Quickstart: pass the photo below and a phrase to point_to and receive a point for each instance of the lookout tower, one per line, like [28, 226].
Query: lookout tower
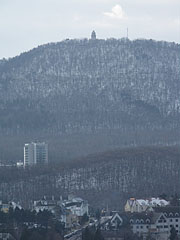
[93, 35]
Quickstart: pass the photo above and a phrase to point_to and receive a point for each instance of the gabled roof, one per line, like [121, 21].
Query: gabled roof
[44, 204]
[144, 218]
[157, 216]
[142, 202]
[159, 202]
[116, 216]
[105, 220]
[169, 211]
[74, 202]
[152, 202]
[108, 219]
[70, 204]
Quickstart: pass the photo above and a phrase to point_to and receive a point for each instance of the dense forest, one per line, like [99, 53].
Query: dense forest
[85, 96]
[103, 179]
[107, 99]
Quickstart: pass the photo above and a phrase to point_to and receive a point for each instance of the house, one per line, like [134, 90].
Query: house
[172, 215]
[67, 211]
[115, 222]
[5, 206]
[65, 216]
[14, 205]
[71, 220]
[78, 206]
[42, 205]
[142, 205]
[47, 203]
[157, 223]
[143, 224]
[116, 227]
[53, 206]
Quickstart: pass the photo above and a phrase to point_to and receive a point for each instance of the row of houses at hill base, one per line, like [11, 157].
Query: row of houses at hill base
[155, 222]
[68, 211]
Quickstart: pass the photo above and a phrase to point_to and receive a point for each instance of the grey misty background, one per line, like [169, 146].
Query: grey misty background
[87, 96]
[25, 24]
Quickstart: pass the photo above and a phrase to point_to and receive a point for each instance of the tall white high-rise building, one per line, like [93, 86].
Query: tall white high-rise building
[35, 153]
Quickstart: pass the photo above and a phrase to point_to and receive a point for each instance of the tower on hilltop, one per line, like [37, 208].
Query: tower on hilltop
[93, 35]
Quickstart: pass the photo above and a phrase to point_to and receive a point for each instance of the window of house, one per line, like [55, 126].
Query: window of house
[147, 221]
[165, 226]
[141, 227]
[171, 220]
[176, 225]
[176, 220]
[137, 227]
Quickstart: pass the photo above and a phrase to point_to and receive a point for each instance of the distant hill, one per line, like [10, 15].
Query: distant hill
[107, 178]
[89, 86]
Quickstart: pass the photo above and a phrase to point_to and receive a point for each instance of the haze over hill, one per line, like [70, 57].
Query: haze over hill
[107, 178]
[91, 95]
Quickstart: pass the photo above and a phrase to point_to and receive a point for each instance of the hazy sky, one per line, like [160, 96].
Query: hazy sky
[25, 24]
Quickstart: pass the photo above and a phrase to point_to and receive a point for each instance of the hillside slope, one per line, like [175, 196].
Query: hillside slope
[106, 178]
[85, 84]
[89, 86]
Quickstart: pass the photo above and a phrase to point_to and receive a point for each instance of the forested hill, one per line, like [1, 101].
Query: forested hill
[106, 178]
[97, 87]
[84, 85]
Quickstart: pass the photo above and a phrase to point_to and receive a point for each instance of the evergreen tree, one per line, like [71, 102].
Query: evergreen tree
[175, 200]
[84, 219]
[98, 235]
[98, 214]
[173, 234]
[87, 234]
[163, 196]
